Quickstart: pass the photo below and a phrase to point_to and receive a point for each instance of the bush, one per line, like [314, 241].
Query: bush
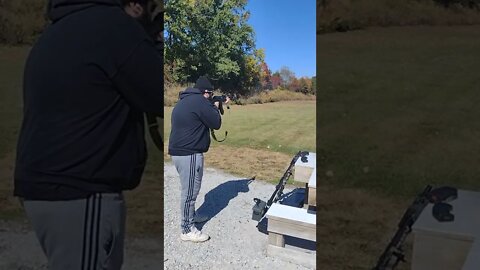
[171, 96]
[21, 21]
[275, 96]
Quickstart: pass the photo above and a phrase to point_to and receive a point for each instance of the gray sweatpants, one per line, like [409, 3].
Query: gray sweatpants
[84, 234]
[190, 169]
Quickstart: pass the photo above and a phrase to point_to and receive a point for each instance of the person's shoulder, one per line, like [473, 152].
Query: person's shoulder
[122, 25]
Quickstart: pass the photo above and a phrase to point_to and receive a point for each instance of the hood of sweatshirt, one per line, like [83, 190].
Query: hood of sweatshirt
[189, 92]
[58, 9]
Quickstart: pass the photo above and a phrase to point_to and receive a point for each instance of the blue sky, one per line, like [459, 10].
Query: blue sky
[286, 30]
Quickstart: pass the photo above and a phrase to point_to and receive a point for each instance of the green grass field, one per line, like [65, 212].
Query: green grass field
[285, 127]
[262, 138]
[11, 70]
[12, 60]
[398, 109]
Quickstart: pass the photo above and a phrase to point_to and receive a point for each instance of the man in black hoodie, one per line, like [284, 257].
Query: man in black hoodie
[88, 80]
[192, 118]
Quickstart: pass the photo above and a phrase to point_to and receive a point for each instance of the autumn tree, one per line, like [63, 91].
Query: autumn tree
[276, 80]
[265, 77]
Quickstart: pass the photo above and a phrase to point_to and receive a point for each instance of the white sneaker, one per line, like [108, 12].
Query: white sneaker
[194, 235]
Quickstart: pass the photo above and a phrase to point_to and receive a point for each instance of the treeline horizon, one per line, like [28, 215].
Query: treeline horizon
[22, 21]
[347, 15]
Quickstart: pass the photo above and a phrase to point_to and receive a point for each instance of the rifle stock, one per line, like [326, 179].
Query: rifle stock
[260, 208]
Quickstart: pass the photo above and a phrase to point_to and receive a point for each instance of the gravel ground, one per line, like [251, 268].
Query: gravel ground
[235, 241]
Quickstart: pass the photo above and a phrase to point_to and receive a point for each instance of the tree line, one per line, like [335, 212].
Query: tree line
[202, 37]
[213, 38]
[345, 15]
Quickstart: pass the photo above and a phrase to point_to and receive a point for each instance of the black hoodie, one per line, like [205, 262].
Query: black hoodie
[87, 81]
[192, 118]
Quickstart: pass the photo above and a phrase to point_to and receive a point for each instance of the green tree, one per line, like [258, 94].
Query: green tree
[314, 85]
[212, 37]
[304, 85]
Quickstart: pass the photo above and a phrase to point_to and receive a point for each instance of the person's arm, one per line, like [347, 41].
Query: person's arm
[210, 116]
[140, 79]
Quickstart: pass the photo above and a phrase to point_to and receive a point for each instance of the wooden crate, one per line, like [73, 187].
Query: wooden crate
[449, 245]
[303, 170]
[292, 221]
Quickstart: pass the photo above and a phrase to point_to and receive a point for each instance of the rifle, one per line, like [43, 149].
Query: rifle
[261, 207]
[394, 252]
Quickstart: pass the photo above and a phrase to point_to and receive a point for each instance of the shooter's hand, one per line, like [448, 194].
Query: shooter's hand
[217, 104]
[227, 100]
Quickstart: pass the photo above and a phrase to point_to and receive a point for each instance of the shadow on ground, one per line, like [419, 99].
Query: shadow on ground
[218, 198]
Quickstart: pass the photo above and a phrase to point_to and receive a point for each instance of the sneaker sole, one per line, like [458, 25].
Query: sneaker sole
[193, 240]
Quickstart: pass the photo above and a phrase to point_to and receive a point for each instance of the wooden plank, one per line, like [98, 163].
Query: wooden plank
[473, 259]
[303, 170]
[307, 259]
[276, 239]
[302, 174]
[312, 196]
[312, 181]
[291, 214]
[433, 252]
[292, 229]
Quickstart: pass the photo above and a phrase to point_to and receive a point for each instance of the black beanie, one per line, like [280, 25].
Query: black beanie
[203, 84]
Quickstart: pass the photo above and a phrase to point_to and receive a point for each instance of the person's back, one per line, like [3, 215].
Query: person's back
[192, 118]
[83, 129]
[88, 80]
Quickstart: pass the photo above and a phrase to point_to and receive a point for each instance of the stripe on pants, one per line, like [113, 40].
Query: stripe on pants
[190, 189]
[91, 232]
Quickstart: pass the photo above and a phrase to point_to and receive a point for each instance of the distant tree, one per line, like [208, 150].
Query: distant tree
[287, 76]
[294, 85]
[276, 80]
[314, 85]
[305, 85]
[265, 76]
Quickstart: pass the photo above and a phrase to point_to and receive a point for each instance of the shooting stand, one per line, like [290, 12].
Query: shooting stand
[295, 223]
[449, 245]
